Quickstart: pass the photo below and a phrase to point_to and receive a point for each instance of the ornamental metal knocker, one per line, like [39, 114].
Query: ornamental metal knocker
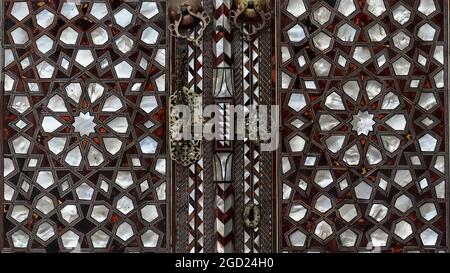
[252, 215]
[185, 18]
[250, 12]
[184, 152]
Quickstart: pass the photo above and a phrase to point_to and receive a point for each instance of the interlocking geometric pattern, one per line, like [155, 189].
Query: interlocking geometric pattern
[364, 125]
[364, 128]
[84, 118]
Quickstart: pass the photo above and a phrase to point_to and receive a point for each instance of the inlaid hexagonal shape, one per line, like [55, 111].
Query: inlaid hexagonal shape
[297, 212]
[69, 36]
[403, 203]
[124, 44]
[21, 145]
[297, 144]
[403, 229]
[296, 33]
[45, 70]
[45, 18]
[99, 239]
[84, 57]
[149, 213]
[323, 230]
[123, 17]
[401, 40]
[376, 7]
[99, 10]
[323, 204]
[401, 67]
[69, 213]
[45, 179]
[125, 231]
[323, 178]
[99, 36]
[70, 239]
[149, 9]
[346, 33]
[348, 212]
[377, 33]
[69, 10]
[378, 238]
[401, 14]
[149, 36]
[148, 145]
[124, 179]
[19, 212]
[45, 231]
[45, 204]
[19, 36]
[322, 15]
[322, 41]
[20, 10]
[378, 212]
[99, 213]
[322, 67]
[361, 54]
[429, 237]
[44, 44]
[125, 205]
[428, 211]
[346, 7]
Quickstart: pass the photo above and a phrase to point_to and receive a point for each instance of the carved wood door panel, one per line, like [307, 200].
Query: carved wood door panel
[363, 86]
[84, 148]
[90, 151]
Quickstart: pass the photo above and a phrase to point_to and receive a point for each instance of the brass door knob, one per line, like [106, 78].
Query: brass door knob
[250, 12]
[185, 18]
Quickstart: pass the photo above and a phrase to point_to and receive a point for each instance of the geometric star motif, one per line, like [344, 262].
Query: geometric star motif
[84, 124]
[363, 123]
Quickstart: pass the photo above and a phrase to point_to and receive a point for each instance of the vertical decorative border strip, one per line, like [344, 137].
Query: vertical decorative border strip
[277, 189]
[444, 5]
[447, 119]
[180, 179]
[238, 154]
[1, 128]
[208, 146]
[266, 183]
[279, 183]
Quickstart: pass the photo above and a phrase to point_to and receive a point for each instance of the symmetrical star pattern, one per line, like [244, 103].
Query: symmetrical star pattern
[84, 124]
[84, 93]
[364, 139]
